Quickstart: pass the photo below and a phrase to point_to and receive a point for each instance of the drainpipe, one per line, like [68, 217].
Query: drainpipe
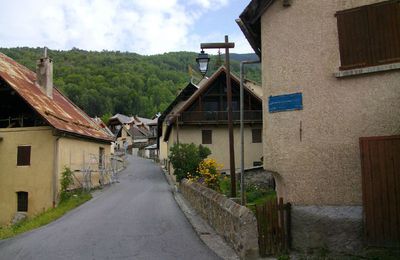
[242, 190]
[55, 171]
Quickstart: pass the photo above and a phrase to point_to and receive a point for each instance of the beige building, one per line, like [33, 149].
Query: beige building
[41, 133]
[199, 115]
[336, 65]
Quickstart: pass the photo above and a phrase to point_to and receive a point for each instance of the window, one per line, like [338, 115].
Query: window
[22, 201]
[206, 136]
[24, 155]
[369, 35]
[256, 135]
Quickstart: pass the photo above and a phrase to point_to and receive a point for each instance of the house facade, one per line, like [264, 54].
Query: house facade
[199, 116]
[335, 64]
[41, 133]
[132, 132]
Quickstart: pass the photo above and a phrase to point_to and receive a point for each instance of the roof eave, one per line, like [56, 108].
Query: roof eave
[250, 20]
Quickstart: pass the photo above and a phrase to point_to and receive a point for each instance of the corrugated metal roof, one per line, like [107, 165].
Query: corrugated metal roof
[58, 111]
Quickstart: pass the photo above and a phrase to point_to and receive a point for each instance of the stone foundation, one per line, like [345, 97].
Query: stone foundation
[336, 228]
[237, 224]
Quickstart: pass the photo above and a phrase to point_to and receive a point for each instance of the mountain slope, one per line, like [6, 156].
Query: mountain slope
[121, 82]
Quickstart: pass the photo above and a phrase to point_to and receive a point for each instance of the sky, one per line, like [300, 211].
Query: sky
[142, 26]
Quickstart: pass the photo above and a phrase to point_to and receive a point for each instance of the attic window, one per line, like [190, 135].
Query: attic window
[24, 155]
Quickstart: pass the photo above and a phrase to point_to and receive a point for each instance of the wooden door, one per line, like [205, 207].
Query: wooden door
[380, 161]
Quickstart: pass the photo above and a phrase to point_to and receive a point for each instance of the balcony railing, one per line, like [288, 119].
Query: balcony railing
[212, 117]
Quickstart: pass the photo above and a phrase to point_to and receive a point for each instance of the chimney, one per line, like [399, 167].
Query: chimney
[44, 74]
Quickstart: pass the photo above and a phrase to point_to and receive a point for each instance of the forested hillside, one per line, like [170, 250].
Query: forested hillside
[120, 82]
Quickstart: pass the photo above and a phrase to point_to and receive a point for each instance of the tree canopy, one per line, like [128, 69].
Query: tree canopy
[109, 82]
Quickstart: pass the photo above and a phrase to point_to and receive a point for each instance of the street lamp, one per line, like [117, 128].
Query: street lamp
[225, 45]
[203, 59]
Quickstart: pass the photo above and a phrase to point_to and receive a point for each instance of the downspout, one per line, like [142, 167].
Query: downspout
[55, 170]
[242, 191]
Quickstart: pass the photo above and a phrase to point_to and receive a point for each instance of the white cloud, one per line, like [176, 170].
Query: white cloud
[142, 26]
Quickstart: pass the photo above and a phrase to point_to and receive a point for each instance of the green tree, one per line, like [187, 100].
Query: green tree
[185, 159]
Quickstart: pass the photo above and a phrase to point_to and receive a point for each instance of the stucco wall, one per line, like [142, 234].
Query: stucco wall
[36, 179]
[77, 154]
[125, 137]
[300, 53]
[220, 143]
[163, 149]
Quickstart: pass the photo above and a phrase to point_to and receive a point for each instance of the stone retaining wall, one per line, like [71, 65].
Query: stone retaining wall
[237, 224]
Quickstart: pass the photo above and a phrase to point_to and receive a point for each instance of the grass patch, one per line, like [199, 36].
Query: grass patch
[46, 217]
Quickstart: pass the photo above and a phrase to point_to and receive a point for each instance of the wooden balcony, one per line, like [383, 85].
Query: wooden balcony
[219, 117]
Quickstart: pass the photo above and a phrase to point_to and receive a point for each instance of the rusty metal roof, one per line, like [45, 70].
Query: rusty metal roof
[58, 111]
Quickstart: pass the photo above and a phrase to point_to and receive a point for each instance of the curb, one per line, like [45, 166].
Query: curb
[206, 233]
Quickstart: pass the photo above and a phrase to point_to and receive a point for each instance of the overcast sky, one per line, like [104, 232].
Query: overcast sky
[141, 26]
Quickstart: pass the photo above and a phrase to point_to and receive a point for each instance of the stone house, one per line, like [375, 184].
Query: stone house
[199, 115]
[330, 77]
[41, 132]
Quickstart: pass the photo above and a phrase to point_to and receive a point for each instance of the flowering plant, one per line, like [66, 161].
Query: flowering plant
[208, 172]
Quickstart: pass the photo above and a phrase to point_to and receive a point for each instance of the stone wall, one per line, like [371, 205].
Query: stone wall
[336, 228]
[258, 176]
[237, 224]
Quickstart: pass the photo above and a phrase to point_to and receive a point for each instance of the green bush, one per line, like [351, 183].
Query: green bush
[66, 181]
[185, 159]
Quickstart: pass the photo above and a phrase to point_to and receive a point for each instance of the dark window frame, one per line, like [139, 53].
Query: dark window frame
[256, 135]
[366, 37]
[24, 155]
[206, 136]
[22, 201]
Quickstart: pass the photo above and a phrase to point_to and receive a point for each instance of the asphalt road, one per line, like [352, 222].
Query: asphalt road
[134, 219]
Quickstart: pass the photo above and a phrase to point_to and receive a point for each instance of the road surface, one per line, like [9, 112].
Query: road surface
[134, 219]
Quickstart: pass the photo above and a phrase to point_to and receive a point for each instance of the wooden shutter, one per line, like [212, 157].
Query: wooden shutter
[206, 136]
[353, 38]
[384, 32]
[23, 155]
[369, 35]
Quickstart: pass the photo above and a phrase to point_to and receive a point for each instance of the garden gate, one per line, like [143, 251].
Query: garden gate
[273, 223]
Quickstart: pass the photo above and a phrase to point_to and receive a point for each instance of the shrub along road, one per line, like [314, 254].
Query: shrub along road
[134, 219]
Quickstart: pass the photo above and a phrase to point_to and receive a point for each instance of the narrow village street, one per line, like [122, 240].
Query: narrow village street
[136, 218]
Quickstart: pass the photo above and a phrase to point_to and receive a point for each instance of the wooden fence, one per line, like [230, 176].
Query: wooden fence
[273, 222]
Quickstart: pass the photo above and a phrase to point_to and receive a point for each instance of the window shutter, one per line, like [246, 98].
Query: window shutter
[206, 136]
[369, 35]
[384, 31]
[353, 38]
[23, 155]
